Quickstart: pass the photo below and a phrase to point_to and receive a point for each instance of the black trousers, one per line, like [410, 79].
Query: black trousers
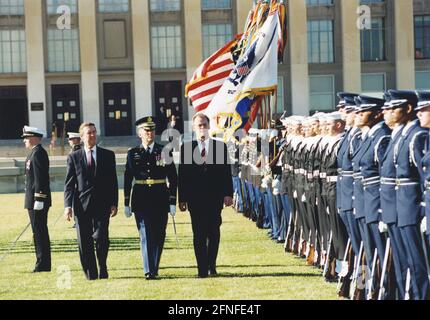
[39, 225]
[206, 225]
[93, 229]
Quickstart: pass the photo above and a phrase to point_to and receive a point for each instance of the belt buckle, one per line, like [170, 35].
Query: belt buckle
[150, 182]
[397, 182]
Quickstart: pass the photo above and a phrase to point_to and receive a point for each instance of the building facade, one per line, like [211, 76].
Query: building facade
[110, 62]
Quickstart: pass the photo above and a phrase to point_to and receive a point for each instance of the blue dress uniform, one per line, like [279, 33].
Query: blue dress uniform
[408, 153]
[366, 164]
[424, 102]
[344, 185]
[37, 189]
[389, 212]
[151, 197]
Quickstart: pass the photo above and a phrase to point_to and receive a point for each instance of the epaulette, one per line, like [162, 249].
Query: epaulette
[411, 147]
[375, 150]
[351, 142]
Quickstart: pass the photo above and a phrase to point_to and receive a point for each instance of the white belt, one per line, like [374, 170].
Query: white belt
[332, 179]
[388, 181]
[371, 180]
[406, 182]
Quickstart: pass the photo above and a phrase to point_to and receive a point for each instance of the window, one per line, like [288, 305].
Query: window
[113, 6]
[320, 41]
[371, 1]
[216, 4]
[321, 92]
[422, 37]
[166, 44]
[12, 7]
[12, 51]
[373, 84]
[280, 96]
[373, 41]
[165, 5]
[214, 37]
[422, 80]
[319, 2]
[63, 50]
[52, 5]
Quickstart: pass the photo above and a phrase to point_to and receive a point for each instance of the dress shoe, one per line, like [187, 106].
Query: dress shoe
[91, 275]
[37, 270]
[104, 274]
[212, 272]
[150, 276]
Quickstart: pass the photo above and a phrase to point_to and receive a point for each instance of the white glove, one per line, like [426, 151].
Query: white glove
[295, 194]
[382, 227]
[276, 184]
[240, 175]
[38, 205]
[172, 210]
[303, 198]
[127, 212]
[424, 225]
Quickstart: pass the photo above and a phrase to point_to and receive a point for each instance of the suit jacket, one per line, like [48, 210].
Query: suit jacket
[37, 178]
[81, 189]
[204, 186]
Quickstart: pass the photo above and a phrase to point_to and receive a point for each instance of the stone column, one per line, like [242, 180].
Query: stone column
[298, 39]
[351, 55]
[405, 47]
[89, 62]
[242, 7]
[142, 57]
[35, 62]
[193, 40]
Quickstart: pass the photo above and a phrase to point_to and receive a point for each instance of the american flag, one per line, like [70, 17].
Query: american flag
[210, 76]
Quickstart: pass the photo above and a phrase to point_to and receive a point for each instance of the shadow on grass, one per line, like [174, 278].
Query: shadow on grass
[116, 244]
[230, 275]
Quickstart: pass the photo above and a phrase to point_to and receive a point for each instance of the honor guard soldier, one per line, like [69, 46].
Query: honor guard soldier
[395, 119]
[154, 193]
[408, 153]
[375, 138]
[424, 116]
[344, 186]
[335, 129]
[38, 196]
[74, 141]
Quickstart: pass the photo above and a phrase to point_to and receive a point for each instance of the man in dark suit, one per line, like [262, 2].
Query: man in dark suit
[38, 196]
[205, 185]
[91, 194]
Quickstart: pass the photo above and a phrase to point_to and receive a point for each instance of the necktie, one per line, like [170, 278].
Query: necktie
[91, 164]
[203, 153]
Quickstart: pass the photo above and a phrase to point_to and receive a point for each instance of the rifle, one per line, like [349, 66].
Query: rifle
[346, 283]
[327, 259]
[356, 269]
[345, 256]
[408, 285]
[12, 246]
[288, 235]
[300, 249]
[425, 254]
[372, 276]
[384, 271]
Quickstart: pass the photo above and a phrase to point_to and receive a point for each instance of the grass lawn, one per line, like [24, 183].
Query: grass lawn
[250, 266]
